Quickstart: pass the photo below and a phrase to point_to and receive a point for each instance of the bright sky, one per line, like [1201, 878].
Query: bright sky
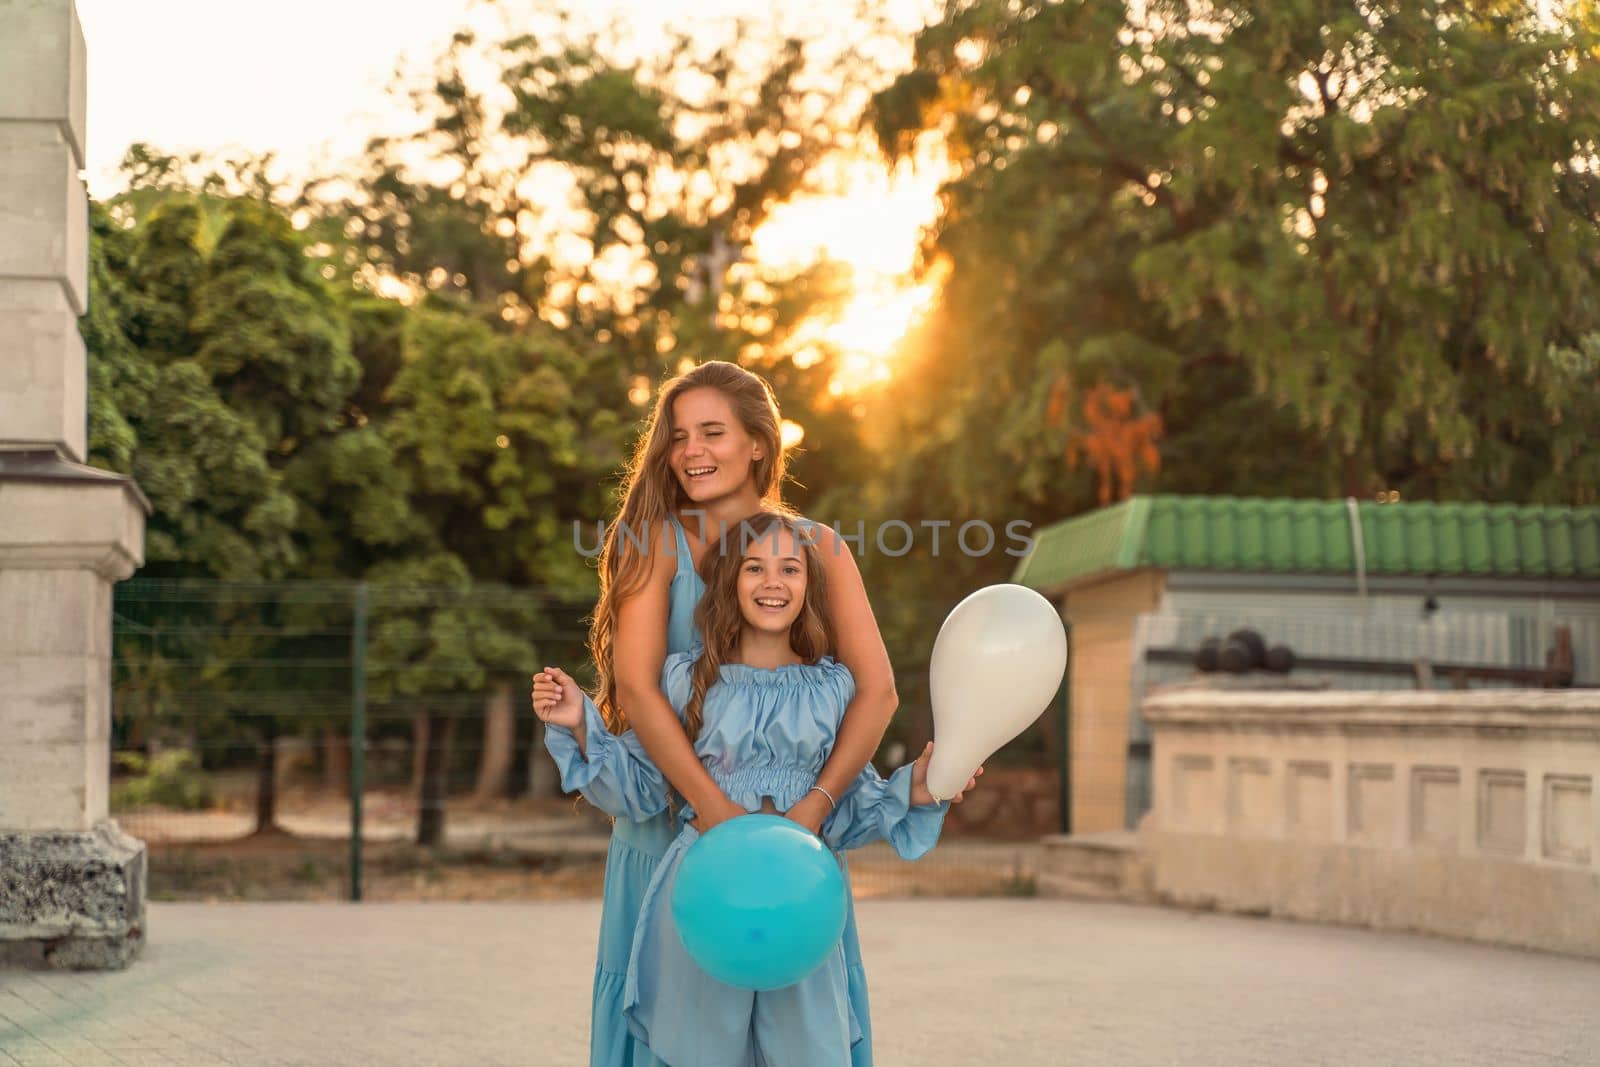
[295, 77]
[307, 80]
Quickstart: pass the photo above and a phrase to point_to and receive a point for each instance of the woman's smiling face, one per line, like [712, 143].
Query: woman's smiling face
[712, 453]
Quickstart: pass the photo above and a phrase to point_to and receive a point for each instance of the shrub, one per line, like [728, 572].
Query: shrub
[171, 779]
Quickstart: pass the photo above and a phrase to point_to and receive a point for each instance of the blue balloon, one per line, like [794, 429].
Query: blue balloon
[759, 902]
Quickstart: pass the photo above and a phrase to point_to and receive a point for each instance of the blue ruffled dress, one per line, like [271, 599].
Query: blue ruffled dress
[765, 734]
[639, 838]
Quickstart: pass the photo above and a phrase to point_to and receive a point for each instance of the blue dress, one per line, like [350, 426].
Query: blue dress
[638, 841]
[766, 734]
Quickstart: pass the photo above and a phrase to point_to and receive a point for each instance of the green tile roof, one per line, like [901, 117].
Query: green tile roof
[1242, 534]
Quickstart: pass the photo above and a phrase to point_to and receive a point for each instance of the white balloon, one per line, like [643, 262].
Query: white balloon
[997, 663]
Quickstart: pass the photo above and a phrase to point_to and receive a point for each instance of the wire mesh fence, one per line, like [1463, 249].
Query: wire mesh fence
[306, 740]
[255, 725]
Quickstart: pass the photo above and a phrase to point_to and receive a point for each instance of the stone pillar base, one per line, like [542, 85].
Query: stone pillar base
[71, 900]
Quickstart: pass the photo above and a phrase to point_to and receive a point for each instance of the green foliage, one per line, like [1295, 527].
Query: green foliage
[400, 386]
[214, 366]
[272, 340]
[170, 779]
[119, 377]
[653, 172]
[1331, 248]
[1337, 247]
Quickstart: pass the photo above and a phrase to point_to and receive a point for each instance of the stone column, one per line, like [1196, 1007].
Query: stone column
[71, 883]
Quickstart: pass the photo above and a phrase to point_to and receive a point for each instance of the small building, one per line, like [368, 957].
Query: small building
[1365, 595]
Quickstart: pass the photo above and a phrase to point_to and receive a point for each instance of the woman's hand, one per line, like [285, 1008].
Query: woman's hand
[810, 811]
[558, 701]
[919, 780]
[717, 812]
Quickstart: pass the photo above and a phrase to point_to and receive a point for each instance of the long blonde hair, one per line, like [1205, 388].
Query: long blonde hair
[650, 492]
[721, 622]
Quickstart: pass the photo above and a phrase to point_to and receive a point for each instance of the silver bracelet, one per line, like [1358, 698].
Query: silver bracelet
[832, 803]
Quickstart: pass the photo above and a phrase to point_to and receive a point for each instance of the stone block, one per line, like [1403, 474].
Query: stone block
[53, 700]
[1569, 824]
[54, 613]
[44, 216]
[1372, 804]
[1194, 799]
[55, 526]
[72, 900]
[1310, 801]
[1502, 812]
[53, 785]
[1251, 806]
[44, 375]
[1094, 865]
[42, 52]
[1435, 807]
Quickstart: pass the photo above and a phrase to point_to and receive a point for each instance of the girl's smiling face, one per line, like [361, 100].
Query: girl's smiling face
[772, 581]
[712, 453]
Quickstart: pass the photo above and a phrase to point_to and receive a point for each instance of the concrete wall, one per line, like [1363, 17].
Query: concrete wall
[44, 227]
[1473, 814]
[72, 894]
[1100, 675]
[61, 548]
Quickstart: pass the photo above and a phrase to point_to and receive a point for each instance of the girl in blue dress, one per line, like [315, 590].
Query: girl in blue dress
[762, 702]
[711, 453]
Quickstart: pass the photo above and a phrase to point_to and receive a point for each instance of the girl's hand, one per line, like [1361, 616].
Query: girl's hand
[557, 699]
[919, 780]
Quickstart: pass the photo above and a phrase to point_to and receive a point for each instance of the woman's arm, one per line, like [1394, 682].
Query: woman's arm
[860, 648]
[638, 650]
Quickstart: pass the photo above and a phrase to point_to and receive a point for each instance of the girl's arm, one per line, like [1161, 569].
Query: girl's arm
[860, 648]
[878, 809]
[612, 772]
[899, 810]
[639, 648]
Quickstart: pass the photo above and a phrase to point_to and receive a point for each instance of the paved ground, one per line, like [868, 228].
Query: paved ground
[1015, 982]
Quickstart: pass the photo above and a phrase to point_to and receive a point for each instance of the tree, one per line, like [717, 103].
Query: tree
[671, 163]
[217, 357]
[605, 192]
[493, 446]
[219, 506]
[1383, 214]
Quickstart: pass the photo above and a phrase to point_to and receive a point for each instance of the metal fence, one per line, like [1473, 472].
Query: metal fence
[1387, 648]
[297, 739]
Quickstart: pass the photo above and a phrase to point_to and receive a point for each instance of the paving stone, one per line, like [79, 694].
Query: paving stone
[957, 982]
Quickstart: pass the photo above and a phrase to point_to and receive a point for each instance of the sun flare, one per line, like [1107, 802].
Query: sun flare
[874, 226]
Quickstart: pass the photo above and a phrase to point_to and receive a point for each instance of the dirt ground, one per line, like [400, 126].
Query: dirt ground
[282, 866]
[528, 849]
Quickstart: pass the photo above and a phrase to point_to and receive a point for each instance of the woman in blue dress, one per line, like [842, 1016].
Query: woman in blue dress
[762, 702]
[711, 454]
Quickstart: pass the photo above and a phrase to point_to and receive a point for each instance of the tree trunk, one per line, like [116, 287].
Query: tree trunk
[267, 781]
[436, 760]
[419, 749]
[336, 761]
[544, 778]
[1353, 473]
[499, 743]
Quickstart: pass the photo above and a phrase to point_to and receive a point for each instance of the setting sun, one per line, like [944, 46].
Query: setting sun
[874, 226]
